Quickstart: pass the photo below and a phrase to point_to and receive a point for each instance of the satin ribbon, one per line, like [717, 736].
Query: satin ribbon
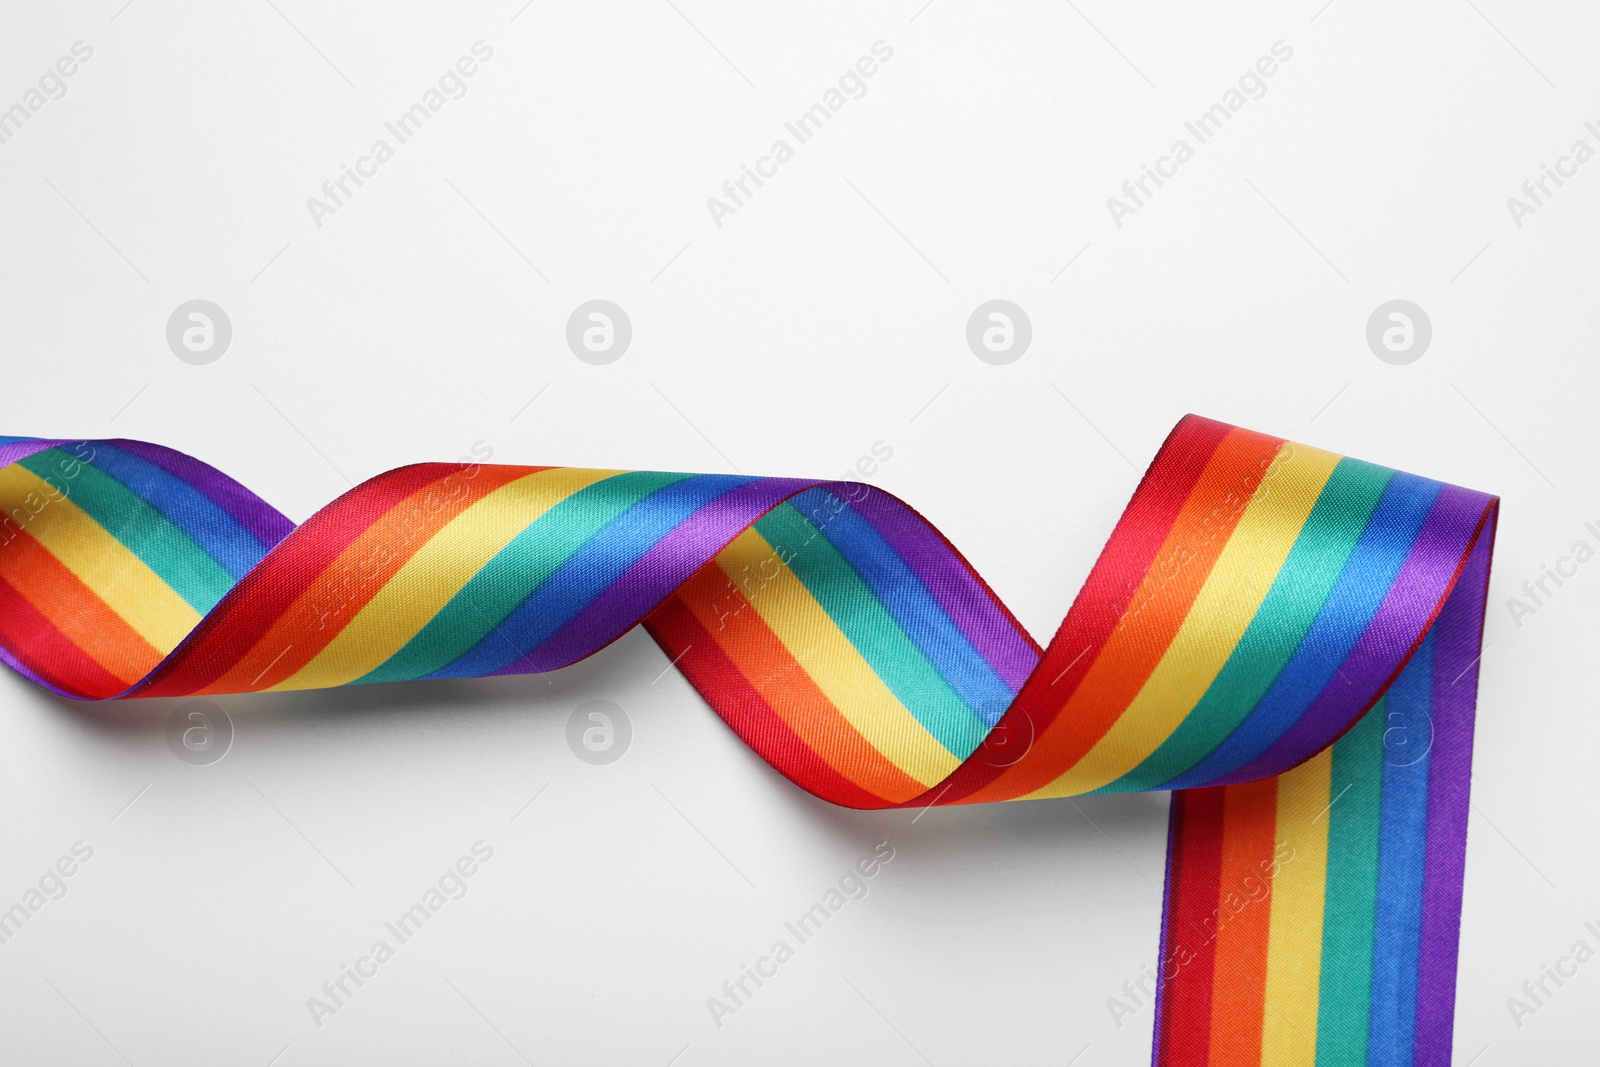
[1285, 638]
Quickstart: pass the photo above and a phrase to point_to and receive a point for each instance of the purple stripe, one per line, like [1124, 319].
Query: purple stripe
[265, 523]
[17, 451]
[952, 582]
[1389, 639]
[652, 578]
[1458, 644]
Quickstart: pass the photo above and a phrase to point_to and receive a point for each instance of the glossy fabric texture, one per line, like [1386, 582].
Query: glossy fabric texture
[1256, 599]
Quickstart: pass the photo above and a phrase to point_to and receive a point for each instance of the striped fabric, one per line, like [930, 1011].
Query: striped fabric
[1286, 638]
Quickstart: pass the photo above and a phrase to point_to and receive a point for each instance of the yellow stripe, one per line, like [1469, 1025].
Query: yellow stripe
[121, 579]
[426, 582]
[1294, 943]
[1244, 570]
[837, 668]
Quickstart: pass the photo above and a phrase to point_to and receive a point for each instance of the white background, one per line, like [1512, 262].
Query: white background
[826, 315]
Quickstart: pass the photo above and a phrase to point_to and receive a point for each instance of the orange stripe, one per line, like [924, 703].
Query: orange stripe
[345, 586]
[1244, 908]
[1153, 617]
[774, 674]
[76, 610]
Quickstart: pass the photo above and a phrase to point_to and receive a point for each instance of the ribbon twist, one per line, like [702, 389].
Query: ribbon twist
[1285, 638]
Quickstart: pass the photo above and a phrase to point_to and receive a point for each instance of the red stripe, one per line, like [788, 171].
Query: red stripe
[720, 681]
[46, 651]
[249, 609]
[1138, 536]
[1188, 963]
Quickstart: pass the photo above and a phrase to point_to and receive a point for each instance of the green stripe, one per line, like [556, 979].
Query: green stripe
[1344, 1002]
[515, 572]
[867, 625]
[175, 557]
[1313, 565]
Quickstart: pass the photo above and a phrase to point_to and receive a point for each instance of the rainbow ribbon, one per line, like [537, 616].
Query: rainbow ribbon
[1285, 638]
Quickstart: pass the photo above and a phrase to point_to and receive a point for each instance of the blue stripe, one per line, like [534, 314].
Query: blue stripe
[224, 539]
[589, 572]
[912, 606]
[1402, 848]
[1360, 591]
